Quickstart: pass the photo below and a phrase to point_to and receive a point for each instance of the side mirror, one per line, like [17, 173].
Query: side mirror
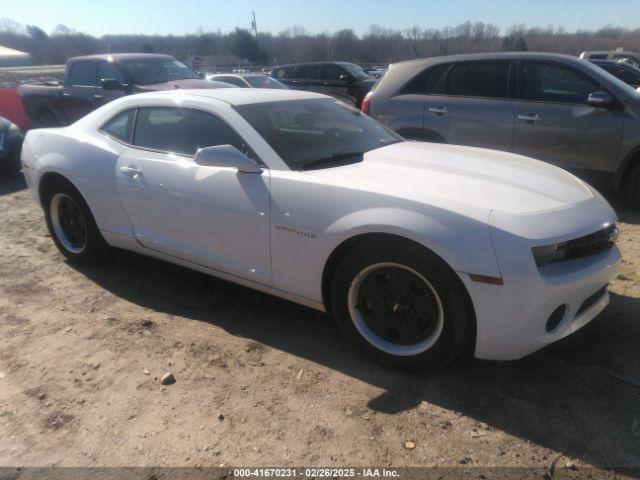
[111, 84]
[600, 100]
[225, 156]
[345, 77]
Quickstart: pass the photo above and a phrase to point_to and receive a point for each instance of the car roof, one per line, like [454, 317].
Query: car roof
[241, 75]
[313, 63]
[120, 56]
[238, 96]
[615, 63]
[492, 56]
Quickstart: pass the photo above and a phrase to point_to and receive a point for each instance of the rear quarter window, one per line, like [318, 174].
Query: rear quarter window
[120, 126]
[428, 82]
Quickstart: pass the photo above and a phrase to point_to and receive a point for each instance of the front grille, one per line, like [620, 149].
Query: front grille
[591, 244]
[589, 302]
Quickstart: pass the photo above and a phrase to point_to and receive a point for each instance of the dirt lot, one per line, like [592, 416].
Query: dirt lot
[261, 381]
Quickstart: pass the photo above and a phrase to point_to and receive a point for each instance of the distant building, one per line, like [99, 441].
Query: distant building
[13, 58]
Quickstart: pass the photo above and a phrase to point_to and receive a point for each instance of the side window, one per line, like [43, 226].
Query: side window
[625, 75]
[82, 74]
[333, 72]
[182, 131]
[429, 82]
[486, 80]
[554, 83]
[120, 126]
[109, 70]
[309, 71]
[283, 72]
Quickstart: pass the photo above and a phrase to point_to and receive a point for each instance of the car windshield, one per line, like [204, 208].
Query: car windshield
[355, 71]
[263, 81]
[316, 133]
[145, 71]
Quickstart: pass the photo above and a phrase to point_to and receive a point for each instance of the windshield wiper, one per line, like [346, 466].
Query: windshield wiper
[333, 158]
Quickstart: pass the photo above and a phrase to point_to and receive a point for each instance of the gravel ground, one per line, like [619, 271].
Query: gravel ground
[261, 381]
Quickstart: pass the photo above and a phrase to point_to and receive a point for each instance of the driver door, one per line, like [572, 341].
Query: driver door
[215, 217]
[554, 123]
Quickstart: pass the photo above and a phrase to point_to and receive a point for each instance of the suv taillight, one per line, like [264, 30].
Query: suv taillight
[365, 103]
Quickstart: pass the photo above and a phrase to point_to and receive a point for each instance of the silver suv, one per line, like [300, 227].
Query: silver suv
[556, 108]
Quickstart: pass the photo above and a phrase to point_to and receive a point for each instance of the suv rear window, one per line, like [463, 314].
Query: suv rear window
[486, 80]
[428, 82]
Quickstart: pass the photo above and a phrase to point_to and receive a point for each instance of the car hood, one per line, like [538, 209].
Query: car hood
[185, 84]
[466, 179]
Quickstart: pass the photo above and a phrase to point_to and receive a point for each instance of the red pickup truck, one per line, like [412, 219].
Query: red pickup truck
[92, 81]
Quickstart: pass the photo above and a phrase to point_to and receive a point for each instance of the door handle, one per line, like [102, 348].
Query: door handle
[438, 110]
[97, 96]
[529, 118]
[65, 94]
[134, 172]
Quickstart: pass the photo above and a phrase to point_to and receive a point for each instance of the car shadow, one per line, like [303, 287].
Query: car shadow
[11, 183]
[570, 397]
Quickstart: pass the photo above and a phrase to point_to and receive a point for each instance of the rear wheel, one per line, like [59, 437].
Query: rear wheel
[400, 304]
[71, 224]
[633, 187]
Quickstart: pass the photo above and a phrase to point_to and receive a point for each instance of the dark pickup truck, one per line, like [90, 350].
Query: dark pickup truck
[91, 81]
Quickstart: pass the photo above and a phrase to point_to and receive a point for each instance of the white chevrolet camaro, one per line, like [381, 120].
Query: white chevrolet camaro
[419, 250]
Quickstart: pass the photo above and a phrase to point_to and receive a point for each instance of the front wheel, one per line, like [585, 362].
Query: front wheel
[71, 224]
[400, 304]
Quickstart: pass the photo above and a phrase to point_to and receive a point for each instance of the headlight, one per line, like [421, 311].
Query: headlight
[548, 253]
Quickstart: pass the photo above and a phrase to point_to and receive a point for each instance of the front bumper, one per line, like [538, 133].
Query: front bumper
[512, 318]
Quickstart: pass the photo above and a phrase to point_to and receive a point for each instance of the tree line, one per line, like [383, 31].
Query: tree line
[379, 45]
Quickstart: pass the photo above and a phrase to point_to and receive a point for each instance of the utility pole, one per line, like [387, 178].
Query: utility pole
[253, 25]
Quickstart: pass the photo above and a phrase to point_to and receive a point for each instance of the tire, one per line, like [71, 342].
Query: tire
[415, 319]
[46, 119]
[633, 187]
[11, 166]
[71, 224]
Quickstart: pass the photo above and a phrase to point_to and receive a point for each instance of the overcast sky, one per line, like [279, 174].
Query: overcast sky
[187, 16]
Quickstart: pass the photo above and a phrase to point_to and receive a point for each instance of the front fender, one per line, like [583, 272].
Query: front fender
[300, 253]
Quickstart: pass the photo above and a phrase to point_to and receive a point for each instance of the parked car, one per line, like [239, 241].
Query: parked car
[342, 80]
[555, 108]
[632, 58]
[247, 80]
[377, 72]
[10, 144]
[92, 81]
[624, 71]
[422, 251]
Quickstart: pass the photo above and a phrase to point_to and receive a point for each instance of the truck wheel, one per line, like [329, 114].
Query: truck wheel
[633, 187]
[12, 165]
[400, 304]
[71, 224]
[46, 119]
